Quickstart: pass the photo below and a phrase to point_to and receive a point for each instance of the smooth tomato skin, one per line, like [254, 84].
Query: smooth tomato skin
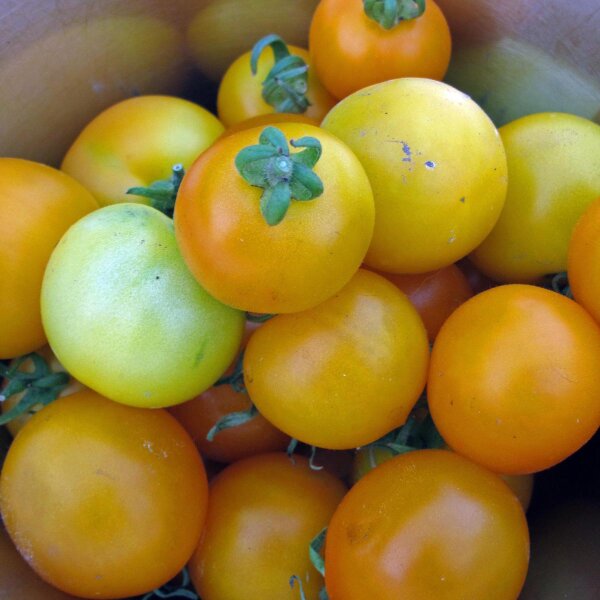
[136, 142]
[38, 205]
[553, 176]
[514, 382]
[18, 581]
[268, 119]
[263, 513]
[123, 491]
[583, 260]
[200, 414]
[436, 165]
[15, 425]
[344, 373]
[350, 51]
[125, 316]
[427, 524]
[309, 256]
[435, 295]
[240, 93]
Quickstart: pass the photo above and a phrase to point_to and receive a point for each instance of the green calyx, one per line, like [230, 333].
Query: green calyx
[41, 386]
[283, 176]
[162, 193]
[234, 419]
[286, 84]
[388, 13]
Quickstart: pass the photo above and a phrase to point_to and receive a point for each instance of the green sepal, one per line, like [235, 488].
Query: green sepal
[286, 84]
[292, 448]
[315, 551]
[41, 386]
[234, 419]
[235, 379]
[293, 580]
[162, 193]
[283, 176]
[388, 13]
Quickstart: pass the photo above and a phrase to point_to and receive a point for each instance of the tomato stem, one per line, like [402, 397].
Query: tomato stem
[388, 13]
[286, 83]
[162, 193]
[282, 176]
[41, 386]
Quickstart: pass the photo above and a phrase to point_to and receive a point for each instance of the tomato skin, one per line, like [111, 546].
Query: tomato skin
[427, 524]
[38, 204]
[123, 489]
[126, 318]
[436, 165]
[269, 119]
[136, 142]
[350, 51]
[344, 373]
[514, 381]
[435, 295]
[248, 264]
[583, 260]
[240, 93]
[263, 512]
[554, 175]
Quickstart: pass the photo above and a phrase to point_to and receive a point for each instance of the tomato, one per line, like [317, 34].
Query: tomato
[436, 165]
[136, 142]
[16, 424]
[269, 119]
[477, 280]
[126, 318]
[17, 580]
[122, 493]
[583, 260]
[351, 51]
[435, 295]
[240, 92]
[221, 30]
[565, 553]
[287, 267]
[38, 205]
[514, 382]
[427, 524]
[344, 373]
[553, 174]
[263, 513]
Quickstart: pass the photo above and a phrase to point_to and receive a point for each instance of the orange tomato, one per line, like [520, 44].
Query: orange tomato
[514, 382]
[350, 51]
[38, 205]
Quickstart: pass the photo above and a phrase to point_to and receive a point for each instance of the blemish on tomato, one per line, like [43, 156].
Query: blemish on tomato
[430, 164]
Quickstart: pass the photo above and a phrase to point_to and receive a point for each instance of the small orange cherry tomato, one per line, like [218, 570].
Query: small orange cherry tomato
[514, 382]
[38, 205]
[584, 260]
[351, 51]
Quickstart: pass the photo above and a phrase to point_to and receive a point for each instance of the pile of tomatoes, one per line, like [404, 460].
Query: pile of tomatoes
[340, 287]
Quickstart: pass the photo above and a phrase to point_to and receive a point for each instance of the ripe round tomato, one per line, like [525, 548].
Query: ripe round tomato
[514, 382]
[103, 500]
[125, 316]
[350, 51]
[38, 204]
[268, 119]
[344, 373]
[583, 260]
[436, 165]
[293, 265]
[263, 513]
[16, 424]
[553, 175]
[240, 92]
[136, 142]
[435, 295]
[427, 524]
